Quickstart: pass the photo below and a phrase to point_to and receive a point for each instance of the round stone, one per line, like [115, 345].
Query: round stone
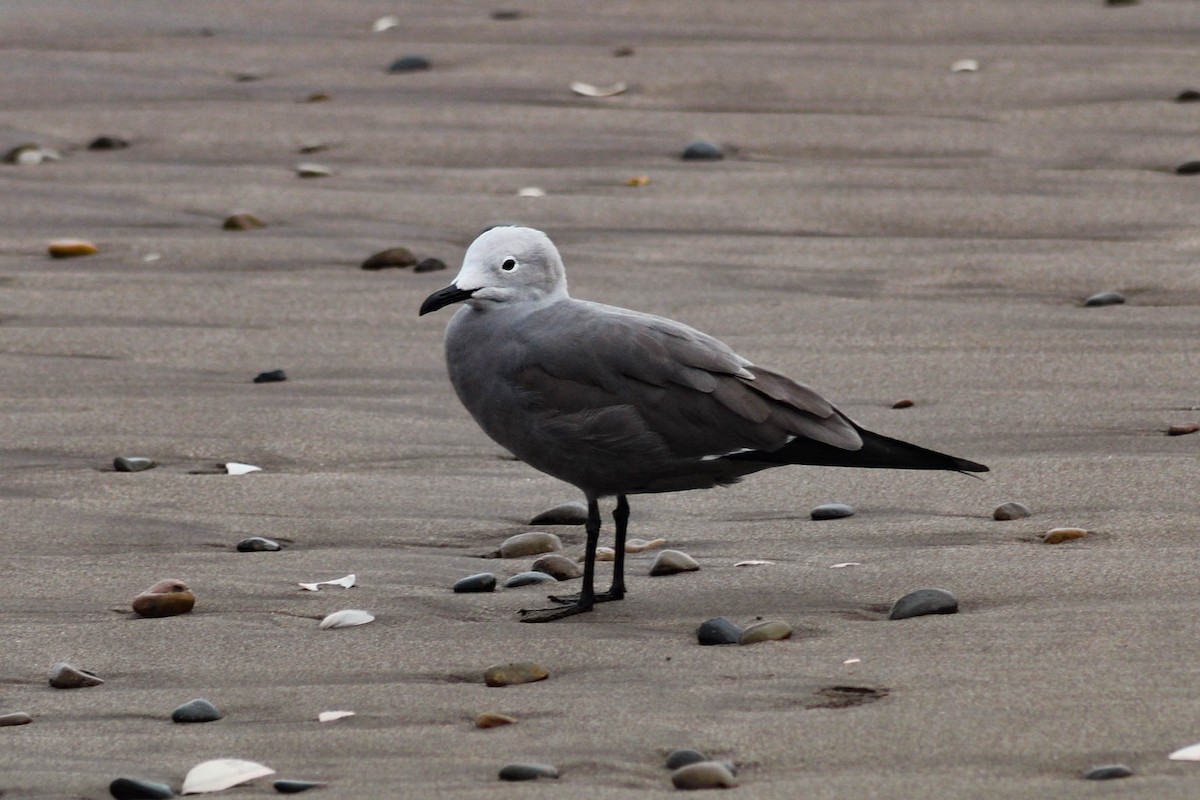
[527, 771]
[670, 562]
[167, 598]
[514, 673]
[242, 222]
[71, 248]
[684, 756]
[133, 463]
[1060, 535]
[1183, 429]
[530, 544]
[559, 567]
[529, 579]
[922, 602]
[832, 511]
[490, 719]
[1011, 510]
[1187, 96]
[15, 718]
[138, 789]
[271, 376]
[1107, 772]
[718, 630]
[30, 154]
[410, 64]
[66, 676]
[393, 257]
[258, 544]
[198, 710]
[479, 582]
[565, 514]
[704, 775]
[702, 150]
[1105, 299]
[108, 143]
[294, 787]
[766, 631]
[1188, 168]
[430, 265]
[903, 404]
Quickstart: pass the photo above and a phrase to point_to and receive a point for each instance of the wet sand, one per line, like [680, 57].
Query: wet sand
[882, 228]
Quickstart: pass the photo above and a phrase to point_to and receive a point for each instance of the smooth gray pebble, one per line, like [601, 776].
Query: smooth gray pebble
[922, 602]
[832, 511]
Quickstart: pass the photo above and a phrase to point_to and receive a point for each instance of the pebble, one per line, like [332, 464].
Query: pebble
[1188, 168]
[514, 673]
[318, 97]
[1187, 96]
[139, 789]
[430, 265]
[686, 755]
[718, 630]
[1108, 772]
[530, 544]
[272, 376]
[1183, 429]
[167, 598]
[258, 544]
[294, 787]
[71, 248]
[965, 65]
[480, 582]
[1011, 510]
[565, 514]
[702, 150]
[603, 554]
[1060, 535]
[392, 257]
[15, 718]
[198, 710]
[30, 154]
[623, 52]
[766, 631]
[133, 463]
[527, 771]
[922, 602]
[704, 775]
[1104, 299]
[641, 545]
[670, 562]
[490, 719]
[66, 676]
[242, 222]
[108, 143]
[238, 468]
[906, 403]
[409, 64]
[346, 618]
[309, 170]
[528, 579]
[832, 511]
[385, 24]
[507, 14]
[559, 567]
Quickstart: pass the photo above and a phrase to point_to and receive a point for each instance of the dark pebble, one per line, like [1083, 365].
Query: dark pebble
[702, 151]
[718, 630]
[409, 64]
[138, 789]
[623, 52]
[68, 676]
[198, 710]
[242, 222]
[1117, 3]
[481, 582]
[392, 257]
[1011, 510]
[430, 265]
[1188, 168]
[527, 772]
[274, 376]
[832, 511]
[528, 579]
[132, 463]
[15, 718]
[903, 404]
[1187, 96]
[258, 544]
[565, 514]
[295, 787]
[1105, 298]
[686, 755]
[1108, 772]
[1183, 429]
[108, 143]
[507, 14]
[922, 602]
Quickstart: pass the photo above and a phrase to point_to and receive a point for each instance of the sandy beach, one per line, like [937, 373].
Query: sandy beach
[881, 228]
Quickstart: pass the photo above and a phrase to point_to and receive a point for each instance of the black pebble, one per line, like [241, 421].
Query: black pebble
[702, 151]
[683, 757]
[294, 787]
[506, 14]
[831, 511]
[108, 143]
[274, 376]
[922, 602]
[1105, 299]
[1187, 96]
[392, 257]
[138, 789]
[481, 582]
[410, 64]
[132, 463]
[430, 265]
[1188, 168]
[1108, 772]
[198, 710]
[718, 630]
[258, 544]
[527, 772]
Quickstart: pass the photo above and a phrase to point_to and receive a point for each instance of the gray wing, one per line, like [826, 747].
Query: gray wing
[691, 391]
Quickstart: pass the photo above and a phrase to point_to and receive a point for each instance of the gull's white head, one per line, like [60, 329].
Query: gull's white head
[505, 264]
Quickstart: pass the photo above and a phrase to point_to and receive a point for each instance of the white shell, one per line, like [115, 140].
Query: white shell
[151, 257]
[849, 661]
[309, 170]
[237, 468]
[846, 564]
[531, 191]
[1189, 753]
[754, 562]
[588, 90]
[385, 24]
[345, 583]
[347, 618]
[213, 776]
[965, 65]
[330, 716]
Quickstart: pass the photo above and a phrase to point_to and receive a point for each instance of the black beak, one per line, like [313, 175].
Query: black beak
[444, 297]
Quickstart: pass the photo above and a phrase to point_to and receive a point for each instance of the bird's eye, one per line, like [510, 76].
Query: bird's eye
[509, 264]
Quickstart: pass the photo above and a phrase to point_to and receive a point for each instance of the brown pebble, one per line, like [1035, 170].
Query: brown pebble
[530, 544]
[1060, 535]
[1183, 429]
[15, 718]
[392, 257]
[490, 719]
[317, 97]
[703, 775]
[70, 248]
[430, 265]
[670, 562]
[164, 599]
[767, 631]
[641, 545]
[515, 673]
[903, 404]
[560, 567]
[243, 222]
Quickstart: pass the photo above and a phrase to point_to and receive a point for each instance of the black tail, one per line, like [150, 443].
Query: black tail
[877, 452]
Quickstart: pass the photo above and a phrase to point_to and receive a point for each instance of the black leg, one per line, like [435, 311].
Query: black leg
[621, 517]
[586, 598]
